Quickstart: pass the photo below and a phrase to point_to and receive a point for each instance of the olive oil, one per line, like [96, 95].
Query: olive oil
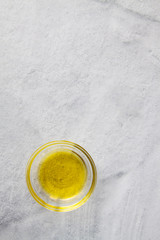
[62, 174]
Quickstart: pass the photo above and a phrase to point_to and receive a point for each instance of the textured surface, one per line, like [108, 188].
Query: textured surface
[86, 71]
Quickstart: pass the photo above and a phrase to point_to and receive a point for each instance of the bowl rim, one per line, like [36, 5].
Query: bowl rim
[41, 201]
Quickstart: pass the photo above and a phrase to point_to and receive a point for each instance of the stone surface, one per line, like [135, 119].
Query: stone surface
[87, 71]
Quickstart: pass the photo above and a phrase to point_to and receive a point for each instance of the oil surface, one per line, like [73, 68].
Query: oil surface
[62, 174]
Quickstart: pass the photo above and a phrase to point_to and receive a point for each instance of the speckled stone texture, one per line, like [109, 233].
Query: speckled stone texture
[87, 71]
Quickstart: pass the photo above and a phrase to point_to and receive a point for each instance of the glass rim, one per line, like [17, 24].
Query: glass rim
[41, 201]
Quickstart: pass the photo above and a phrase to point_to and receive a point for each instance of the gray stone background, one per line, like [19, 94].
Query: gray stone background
[87, 71]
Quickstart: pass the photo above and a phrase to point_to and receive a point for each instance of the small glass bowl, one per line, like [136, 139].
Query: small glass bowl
[60, 205]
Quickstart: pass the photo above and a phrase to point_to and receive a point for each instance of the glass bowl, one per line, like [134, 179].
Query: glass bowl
[60, 205]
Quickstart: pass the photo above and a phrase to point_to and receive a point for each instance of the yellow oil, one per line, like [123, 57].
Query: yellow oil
[62, 174]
